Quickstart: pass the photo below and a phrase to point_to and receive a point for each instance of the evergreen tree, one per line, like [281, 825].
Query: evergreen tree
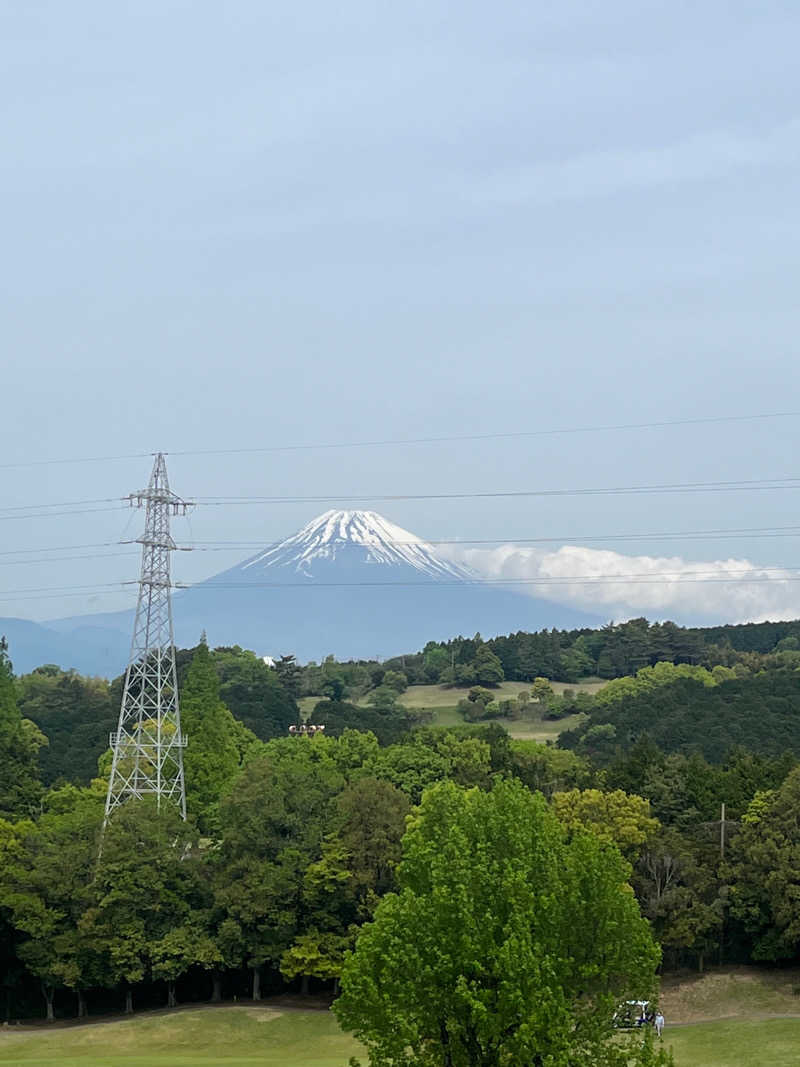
[20, 742]
[211, 759]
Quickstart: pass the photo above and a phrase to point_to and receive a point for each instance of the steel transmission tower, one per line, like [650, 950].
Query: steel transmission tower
[148, 743]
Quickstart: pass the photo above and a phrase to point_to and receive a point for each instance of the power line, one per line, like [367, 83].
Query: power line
[746, 485]
[743, 532]
[395, 442]
[58, 514]
[62, 559]
[734, 533]
[735, 485]
[61, 504]
[505, 435]
[640, 579]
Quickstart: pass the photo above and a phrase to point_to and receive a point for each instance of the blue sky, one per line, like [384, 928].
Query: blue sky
[241, 225]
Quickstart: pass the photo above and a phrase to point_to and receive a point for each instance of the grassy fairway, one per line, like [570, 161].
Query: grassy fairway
[436, 696]
[252, 1035]
[266, 1037]
[766, 1043]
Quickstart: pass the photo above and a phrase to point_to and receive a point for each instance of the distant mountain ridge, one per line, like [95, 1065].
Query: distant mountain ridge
[349, 583]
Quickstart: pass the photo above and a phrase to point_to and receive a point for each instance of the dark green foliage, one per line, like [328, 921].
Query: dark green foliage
[254, 694]
[217, 742]
[20, 741]
[765, 872]
[389, 722]
[76, 714]
[760, 713]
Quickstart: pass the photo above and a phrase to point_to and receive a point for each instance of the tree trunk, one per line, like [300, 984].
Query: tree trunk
[129, 1001]
[700, 961]
[304, 985]
[172, 1001]
[256, 983]
[216, 989]
[82, 1010]
[49, 994]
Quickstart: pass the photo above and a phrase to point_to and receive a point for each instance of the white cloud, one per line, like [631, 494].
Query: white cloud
[617, 586]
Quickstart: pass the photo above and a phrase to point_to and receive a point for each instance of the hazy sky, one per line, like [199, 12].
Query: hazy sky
[244, 225]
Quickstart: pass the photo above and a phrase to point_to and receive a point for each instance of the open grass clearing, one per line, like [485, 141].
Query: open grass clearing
[732, 992]
[523, 729]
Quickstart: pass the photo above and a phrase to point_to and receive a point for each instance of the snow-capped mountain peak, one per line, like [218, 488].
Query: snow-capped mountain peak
[340, 534]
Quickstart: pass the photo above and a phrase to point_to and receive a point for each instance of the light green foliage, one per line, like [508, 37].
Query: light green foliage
[216, 741]
[541, 691]
[650, 678]
[431, 757]
[615, 817]
[506, 944]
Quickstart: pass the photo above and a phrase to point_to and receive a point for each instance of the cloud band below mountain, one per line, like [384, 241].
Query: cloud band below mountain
[619, 586]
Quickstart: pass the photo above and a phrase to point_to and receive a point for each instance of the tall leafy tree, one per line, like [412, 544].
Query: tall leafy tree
[506, 944]
[44, 884]
[151, 899]
[212, 757]
[20, 741]
[765, 872]
[273, 825]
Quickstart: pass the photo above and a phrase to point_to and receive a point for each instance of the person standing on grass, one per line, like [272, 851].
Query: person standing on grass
[659, 1023]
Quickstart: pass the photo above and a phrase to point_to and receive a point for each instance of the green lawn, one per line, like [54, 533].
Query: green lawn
[436, 696]
[736, 1043]
[272, 1037]
[246, 1034]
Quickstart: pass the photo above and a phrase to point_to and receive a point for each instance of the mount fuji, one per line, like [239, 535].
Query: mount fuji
[350, 583]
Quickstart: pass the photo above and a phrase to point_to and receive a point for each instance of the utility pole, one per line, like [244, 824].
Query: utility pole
[148, 743]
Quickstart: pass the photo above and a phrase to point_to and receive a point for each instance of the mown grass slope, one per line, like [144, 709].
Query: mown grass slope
[245, 1034]
[753, 1020]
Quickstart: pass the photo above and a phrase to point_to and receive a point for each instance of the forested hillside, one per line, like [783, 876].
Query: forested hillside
[292, 842]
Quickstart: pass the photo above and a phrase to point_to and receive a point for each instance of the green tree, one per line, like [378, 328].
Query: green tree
[211, 760]
[488, 668]
[45, 884]
[395, 680]
[765, 872]
[150, 891]
[254, 693]
[75, 714]
[506, 944]
[273, 825]
[20, 742]
[616, 817]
